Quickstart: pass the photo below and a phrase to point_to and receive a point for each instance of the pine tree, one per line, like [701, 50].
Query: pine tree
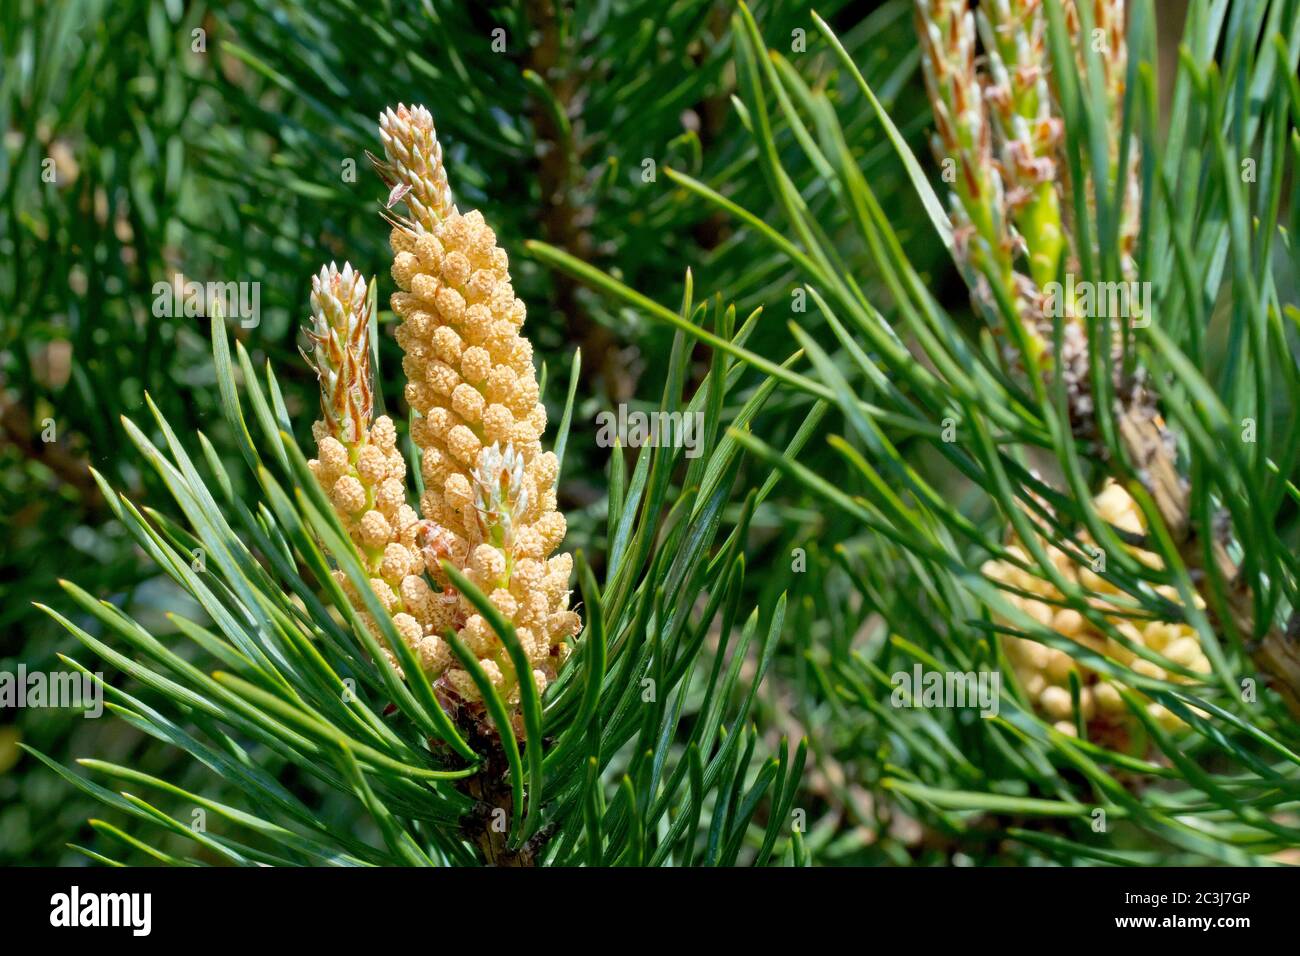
[236, 152]
[337, 606]
[1023, 431]
[1095, 502]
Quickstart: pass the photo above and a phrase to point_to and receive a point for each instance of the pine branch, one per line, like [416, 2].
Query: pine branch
[1021, 395]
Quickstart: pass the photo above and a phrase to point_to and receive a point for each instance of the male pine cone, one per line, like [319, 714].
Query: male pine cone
[489, 504]
[1045, 673]
[362, 471]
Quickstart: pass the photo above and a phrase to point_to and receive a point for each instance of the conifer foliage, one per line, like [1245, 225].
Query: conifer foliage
[983, 314]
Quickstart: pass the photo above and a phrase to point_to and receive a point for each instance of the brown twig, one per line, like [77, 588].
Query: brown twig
[487, 824]
[565, 218]
[67, 467]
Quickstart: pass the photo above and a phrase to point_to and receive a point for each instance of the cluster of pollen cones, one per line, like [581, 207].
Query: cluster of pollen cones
[1045, 673]
[488, 506]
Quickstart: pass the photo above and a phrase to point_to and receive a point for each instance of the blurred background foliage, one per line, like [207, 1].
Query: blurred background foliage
[149, 139]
